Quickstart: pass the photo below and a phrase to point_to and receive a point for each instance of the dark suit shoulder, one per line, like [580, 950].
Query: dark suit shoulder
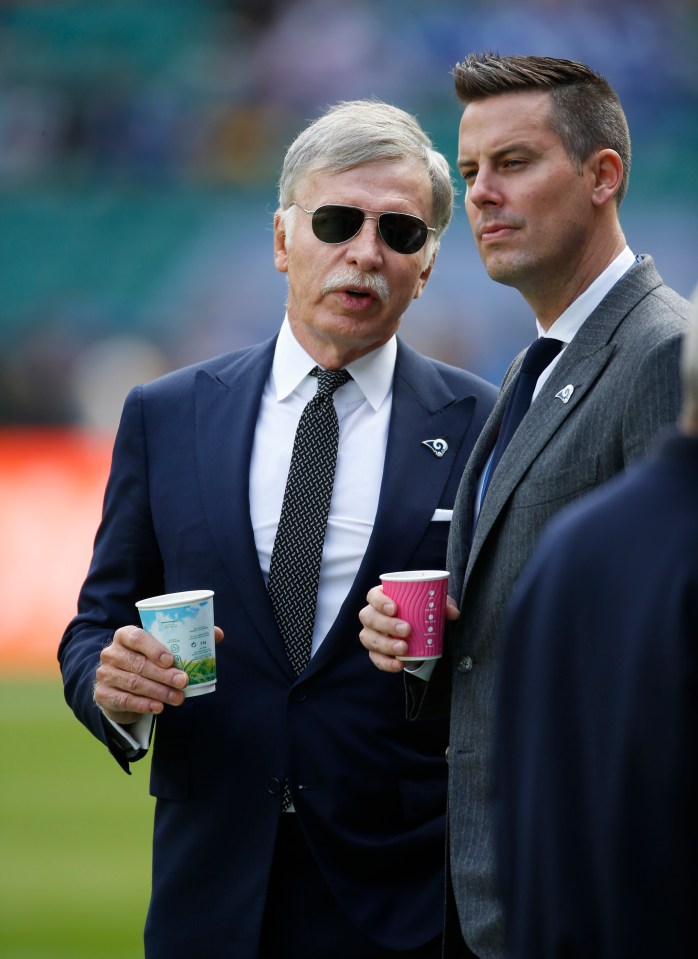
[412, 365]
[661, 304]
[654, 329]
[223, 367]
[470, 382]
[665, 303]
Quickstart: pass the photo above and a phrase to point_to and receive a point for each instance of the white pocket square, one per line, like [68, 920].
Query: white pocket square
[442, 516]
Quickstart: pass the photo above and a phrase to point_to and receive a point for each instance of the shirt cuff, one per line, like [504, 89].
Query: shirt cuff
[136, 735]
[423, 671]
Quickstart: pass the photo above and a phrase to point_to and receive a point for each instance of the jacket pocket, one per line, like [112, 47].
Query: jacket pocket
[431, 552]
[558, 485]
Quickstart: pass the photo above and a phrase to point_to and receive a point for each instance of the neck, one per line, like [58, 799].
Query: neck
[550, 299]
[334, 353]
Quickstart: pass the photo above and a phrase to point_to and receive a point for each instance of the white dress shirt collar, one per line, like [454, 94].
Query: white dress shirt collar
[372, 374]
[568, 323]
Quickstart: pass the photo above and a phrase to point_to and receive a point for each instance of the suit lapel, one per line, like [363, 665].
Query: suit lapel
[580, 366]
[227, 406]
[461, 537]
[424, 408]
[540, 424]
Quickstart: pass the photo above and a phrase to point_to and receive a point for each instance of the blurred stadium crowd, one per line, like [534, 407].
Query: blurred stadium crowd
[140, 144]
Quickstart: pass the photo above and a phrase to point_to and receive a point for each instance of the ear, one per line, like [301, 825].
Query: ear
[280, 250]
[423, 277]
[607, 174]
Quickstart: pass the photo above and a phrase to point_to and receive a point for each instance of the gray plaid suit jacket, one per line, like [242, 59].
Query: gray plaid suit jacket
[623, 365]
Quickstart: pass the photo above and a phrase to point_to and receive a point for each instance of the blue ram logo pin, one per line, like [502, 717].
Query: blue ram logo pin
[438, 447]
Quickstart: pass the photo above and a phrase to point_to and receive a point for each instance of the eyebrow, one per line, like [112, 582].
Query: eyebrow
[501, 152]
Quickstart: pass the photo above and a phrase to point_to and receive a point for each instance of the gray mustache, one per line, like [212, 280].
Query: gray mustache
[347, 278]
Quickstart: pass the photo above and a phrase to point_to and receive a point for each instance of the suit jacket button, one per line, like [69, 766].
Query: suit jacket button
[274, 786]
[465, 664]
[299, 695]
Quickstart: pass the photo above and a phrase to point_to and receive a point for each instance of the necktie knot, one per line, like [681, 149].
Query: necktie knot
[328, 381]
[540, 354]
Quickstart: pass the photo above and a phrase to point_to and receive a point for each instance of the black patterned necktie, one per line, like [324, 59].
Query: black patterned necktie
[539, 355]
[294, 569]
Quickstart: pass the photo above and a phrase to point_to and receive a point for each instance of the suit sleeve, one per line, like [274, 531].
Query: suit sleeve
[126, 565]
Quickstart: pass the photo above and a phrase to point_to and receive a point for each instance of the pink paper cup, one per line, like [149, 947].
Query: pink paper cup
[420, 595]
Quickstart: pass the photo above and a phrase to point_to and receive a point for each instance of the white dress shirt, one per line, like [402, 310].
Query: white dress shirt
[363, 409]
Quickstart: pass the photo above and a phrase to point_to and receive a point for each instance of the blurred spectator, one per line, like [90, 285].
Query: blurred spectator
[187, 105]
[104, 372]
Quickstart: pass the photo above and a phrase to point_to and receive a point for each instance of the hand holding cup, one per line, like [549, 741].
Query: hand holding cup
[420, 598]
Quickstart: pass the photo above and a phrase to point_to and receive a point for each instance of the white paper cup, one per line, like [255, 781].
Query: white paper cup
[183, 623]
[420, 596]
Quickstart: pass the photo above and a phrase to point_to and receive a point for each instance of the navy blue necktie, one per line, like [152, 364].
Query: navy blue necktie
[539, 355]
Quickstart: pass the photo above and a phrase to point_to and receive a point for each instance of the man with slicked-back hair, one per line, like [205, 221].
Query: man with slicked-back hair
[544, 151]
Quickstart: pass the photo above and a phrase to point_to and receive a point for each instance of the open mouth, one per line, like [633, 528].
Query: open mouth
[359, 294]
[356, 297]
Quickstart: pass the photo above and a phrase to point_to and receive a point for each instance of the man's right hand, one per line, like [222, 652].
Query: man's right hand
[136, 676]
[383, 634]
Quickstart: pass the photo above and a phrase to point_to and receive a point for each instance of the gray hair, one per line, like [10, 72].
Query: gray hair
[362, 131]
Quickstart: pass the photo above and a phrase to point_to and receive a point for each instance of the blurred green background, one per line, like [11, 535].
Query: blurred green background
[75, 831]
[140, 142]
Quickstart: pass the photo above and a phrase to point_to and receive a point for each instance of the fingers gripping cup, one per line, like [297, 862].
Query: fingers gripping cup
[183, 623]
[420, 596]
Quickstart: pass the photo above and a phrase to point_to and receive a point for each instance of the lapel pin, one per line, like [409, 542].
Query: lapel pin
[438, 447]
[565, 393]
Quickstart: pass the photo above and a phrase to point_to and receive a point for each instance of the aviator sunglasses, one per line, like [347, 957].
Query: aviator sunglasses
[334, 223]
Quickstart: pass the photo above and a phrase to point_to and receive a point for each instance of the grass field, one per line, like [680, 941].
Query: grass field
[75, 835]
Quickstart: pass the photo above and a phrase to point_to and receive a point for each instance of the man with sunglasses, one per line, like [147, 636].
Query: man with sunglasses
[299, 813]
[544, 151]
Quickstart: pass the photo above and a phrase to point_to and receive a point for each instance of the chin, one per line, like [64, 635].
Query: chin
[500, 274]
[506, 272]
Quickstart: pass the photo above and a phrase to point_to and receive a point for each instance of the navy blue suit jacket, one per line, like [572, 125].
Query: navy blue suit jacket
[597, 725]
[369, 787]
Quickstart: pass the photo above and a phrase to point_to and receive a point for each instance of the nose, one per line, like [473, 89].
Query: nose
[366, 249]
[482, 189]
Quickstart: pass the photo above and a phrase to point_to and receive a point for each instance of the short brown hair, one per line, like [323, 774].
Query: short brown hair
[586, 112]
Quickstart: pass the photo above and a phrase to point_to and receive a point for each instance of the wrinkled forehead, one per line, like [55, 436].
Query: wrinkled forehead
[400, 185]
